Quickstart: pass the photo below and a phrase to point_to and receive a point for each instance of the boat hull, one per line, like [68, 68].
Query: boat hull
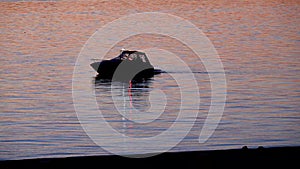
[123, 70]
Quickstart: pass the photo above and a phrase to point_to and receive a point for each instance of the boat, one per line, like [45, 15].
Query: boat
[130, 64]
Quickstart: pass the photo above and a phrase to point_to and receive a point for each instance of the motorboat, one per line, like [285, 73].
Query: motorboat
[128, 65]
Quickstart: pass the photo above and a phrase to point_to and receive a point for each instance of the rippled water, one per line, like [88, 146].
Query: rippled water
[258, 43]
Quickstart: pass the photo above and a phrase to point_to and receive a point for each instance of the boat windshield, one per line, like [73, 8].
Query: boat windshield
[134, 56]
[142, 56]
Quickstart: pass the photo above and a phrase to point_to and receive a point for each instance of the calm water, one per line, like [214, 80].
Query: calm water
[258, 43]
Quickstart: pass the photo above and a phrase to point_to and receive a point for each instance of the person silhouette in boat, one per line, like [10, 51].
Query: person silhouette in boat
[128, 56]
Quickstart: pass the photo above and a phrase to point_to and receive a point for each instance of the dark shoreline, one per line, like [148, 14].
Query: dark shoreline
[276, 156]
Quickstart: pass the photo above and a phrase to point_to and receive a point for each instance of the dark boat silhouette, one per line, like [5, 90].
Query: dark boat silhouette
[127, 66]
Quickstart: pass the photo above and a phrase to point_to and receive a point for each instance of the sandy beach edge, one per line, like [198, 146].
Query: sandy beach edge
[244, 157]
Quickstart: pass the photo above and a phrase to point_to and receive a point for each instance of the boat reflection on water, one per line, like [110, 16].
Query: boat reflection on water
[133, 92]
[120, 102]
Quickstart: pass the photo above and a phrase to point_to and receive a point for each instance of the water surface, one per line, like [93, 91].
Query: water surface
[258, 43]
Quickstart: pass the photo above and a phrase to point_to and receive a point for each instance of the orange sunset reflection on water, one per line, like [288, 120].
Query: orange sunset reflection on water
[257, 41]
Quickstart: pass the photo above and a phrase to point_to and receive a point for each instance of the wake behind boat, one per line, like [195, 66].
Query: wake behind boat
[128, 65]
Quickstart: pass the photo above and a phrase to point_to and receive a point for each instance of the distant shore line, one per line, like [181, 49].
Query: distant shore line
[275, 156]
